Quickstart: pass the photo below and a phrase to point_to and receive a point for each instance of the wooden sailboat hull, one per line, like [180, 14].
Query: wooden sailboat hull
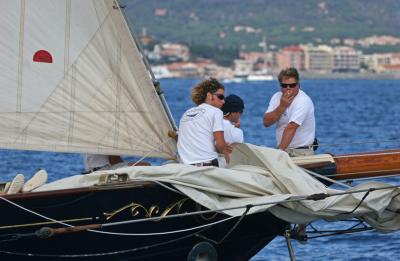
[359, 165]
[23, 237]
[373, 164]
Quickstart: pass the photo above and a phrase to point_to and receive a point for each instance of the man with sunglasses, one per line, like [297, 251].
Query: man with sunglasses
[293, 112]
[201, 128]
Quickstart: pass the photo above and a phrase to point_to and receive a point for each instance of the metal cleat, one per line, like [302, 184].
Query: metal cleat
[107, 179]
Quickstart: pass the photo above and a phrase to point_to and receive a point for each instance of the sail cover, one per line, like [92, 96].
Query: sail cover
[264, 178]
[73, 80]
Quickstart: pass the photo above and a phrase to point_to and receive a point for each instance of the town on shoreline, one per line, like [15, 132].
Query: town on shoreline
[174, 60]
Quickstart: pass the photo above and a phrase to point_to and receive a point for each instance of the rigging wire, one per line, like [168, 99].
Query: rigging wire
[353, 229]
[366, 178]
[324, 177]
[153, 150]
[160, 233]
[354, 143]
[107, 253]
[247, 208]
[196, 234]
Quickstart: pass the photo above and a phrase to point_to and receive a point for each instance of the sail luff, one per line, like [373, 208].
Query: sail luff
[86, 89]
[148, 67]
[20, 55]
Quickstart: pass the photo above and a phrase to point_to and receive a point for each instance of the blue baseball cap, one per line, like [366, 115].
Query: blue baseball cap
[233, 103]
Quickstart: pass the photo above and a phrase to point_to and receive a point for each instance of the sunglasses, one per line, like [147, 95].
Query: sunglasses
[219, 96]
[289, 85]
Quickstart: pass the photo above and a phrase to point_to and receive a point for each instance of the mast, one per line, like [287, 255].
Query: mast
[156, 83]
[265, 51]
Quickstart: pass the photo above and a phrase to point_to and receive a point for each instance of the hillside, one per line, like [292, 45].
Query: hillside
[213, 22]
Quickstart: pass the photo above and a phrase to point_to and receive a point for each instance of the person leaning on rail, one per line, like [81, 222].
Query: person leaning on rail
[95, 162]
[201, 129]
[292, 110]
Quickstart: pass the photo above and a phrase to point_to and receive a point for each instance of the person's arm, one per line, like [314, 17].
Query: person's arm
[274, 115]
[237, 135]
[221, 146]
[114, 159]
[219, 141]
[288, 135]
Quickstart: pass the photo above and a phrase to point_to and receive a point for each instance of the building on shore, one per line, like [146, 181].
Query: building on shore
[346, 59]
[291, 56]
[318, 58]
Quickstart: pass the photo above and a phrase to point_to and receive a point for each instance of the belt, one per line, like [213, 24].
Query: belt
[213, 162]
[95, 169]
[303, 147]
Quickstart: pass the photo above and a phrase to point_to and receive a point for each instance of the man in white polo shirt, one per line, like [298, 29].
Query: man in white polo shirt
[293, 112]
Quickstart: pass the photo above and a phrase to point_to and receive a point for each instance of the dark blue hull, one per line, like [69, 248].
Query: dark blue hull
[24, 235]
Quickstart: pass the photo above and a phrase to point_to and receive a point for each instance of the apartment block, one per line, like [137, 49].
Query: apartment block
[318, 58]
[291, 56]
[346, 59]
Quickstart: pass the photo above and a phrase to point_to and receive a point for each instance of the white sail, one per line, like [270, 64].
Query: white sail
[72, 80]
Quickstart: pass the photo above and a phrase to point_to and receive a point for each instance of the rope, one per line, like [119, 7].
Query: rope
[361, 201]
[356, 173]
[354, 143]
[160, 233]
[248, 207]
[315, 197]
[35, 213]
[312, 173]
[155, 149]
[105, 253]
[159, 183]
[121, 251]
[350, 230]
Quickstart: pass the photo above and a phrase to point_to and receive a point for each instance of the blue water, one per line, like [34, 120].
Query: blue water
[348, 113]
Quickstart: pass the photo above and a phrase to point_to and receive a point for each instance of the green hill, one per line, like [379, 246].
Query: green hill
[284, 22]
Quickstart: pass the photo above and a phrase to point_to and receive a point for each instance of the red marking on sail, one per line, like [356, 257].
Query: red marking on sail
[42, 56]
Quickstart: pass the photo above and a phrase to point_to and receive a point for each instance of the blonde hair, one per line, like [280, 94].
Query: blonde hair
[199, 92]
[290, 72]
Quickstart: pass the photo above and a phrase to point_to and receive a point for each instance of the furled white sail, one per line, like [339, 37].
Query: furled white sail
[72, 79]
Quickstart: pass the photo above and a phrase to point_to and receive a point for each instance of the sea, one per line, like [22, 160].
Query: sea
[351, 116]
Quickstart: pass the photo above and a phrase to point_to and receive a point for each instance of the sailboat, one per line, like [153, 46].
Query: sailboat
[74, 80]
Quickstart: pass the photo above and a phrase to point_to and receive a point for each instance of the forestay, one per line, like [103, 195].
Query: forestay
[72, 80]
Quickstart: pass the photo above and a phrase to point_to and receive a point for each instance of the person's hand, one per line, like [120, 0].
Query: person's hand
[227, 157]
[228, 148]
[287, 98]
[237, 124]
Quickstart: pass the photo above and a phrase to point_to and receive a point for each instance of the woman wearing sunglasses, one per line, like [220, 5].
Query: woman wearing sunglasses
[293, 112]
[201, 129]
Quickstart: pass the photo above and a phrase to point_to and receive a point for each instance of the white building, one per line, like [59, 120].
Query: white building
[346, 59]
[171, 52]
[318, 58]
[242, 68]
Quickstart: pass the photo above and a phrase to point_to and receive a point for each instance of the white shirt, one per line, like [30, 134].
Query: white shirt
[196, 133]
[231, 133]
[92, 161]
[300, 111]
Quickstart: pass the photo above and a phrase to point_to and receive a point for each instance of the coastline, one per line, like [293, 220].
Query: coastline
[348, 76]
[314, 76]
